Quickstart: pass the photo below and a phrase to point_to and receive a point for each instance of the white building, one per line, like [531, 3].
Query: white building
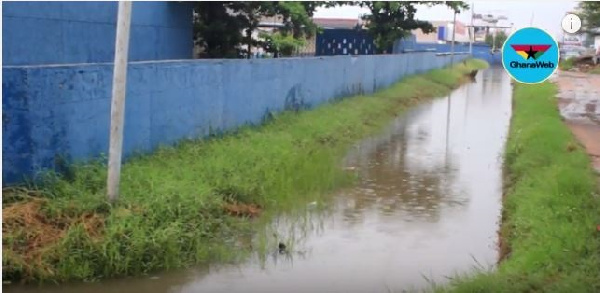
[443, 33]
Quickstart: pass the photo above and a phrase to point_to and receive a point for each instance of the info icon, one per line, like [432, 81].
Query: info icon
[530, 55]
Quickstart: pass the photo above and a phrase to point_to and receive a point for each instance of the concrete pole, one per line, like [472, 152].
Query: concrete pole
[471, 31]
[494, 39]
[453, 38]
[117, 110]
[531, 20]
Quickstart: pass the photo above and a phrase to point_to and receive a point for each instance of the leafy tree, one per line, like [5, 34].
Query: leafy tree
[457, 6]
[298, 26]
[221, 27]
[249, 14]
[590, 14]
[500, 39]
[297, 18]
[216, 30]
[390, 21]
[281, 44]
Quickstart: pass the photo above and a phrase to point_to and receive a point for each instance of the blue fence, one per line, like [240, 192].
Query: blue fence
[36, 33]
[481, 51]
[64, 111]
[344, 42]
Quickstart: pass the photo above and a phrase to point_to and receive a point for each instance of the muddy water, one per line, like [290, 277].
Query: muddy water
[427, 207]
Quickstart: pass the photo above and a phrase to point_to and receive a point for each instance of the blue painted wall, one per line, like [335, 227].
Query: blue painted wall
[482, 51]
[51, 111]
[84, 32]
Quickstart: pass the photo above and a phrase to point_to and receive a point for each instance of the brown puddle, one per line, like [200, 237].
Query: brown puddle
[427, 206]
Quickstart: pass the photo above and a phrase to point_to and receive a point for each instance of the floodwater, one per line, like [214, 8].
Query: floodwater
[427, 207]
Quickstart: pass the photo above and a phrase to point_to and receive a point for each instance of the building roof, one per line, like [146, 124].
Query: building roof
[336, 22]
[348, 23]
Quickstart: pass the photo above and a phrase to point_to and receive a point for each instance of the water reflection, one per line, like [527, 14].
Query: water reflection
[427, 205]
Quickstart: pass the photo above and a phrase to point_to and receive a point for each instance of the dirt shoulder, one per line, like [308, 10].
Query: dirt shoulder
[579, 104]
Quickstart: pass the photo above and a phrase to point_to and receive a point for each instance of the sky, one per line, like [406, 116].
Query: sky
[546, 14]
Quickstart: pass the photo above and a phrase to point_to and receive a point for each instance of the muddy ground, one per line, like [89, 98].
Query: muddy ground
[579, 104]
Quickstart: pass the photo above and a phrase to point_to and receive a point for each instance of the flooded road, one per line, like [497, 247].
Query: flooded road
[427, 206]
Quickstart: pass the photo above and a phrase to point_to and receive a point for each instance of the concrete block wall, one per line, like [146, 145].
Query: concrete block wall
[481, 51]
[36, 33]
[64, 110]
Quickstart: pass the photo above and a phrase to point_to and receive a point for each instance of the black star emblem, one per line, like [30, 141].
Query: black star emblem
[530, 53]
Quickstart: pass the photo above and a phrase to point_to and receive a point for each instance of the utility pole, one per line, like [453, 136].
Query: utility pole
[117, 109]
[450, 96]
[531, 20]
[453, 38]
[471, 30]
[494, 39]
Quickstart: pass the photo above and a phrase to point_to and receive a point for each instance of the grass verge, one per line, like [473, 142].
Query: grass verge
[566, 64]
[595, 70]
[550, 208]
[176, 204]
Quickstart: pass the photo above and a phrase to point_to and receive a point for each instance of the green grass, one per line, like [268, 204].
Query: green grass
[550, 206]
[171, 211]
[595, 70]
[566, 64]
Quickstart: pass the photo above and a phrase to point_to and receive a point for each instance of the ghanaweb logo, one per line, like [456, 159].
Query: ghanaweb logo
[530, 55]
[531, 52]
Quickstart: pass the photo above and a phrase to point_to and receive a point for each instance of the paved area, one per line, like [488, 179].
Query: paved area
[579, 104]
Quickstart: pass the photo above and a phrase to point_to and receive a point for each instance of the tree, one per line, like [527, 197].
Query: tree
[590, 14]
[298, 26]
[390, 21]
[281, 45]
[249, 14]
[216, 30]
[297, 18]
[222, 27]
[499, 42]
[457, 6]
